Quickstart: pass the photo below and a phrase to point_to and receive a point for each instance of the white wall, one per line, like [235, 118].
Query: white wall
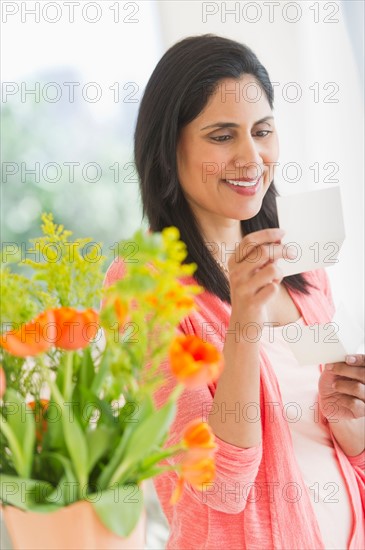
[303, 52]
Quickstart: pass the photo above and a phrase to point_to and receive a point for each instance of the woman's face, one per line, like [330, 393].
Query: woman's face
[210, 156]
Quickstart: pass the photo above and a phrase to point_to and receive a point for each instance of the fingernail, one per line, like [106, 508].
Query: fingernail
[351, 359]
[329, 366]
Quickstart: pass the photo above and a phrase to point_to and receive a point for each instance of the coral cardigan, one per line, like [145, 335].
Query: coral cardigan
[259, 499]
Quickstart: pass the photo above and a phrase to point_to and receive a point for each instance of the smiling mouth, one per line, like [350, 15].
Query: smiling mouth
[239, 183]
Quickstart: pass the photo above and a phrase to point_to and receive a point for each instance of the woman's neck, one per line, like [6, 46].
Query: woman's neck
[221, 237]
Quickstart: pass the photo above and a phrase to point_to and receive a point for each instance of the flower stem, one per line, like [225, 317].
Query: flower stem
[107, 474]
[67, 381]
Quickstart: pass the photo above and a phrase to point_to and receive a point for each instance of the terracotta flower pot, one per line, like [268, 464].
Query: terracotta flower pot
[75, 527]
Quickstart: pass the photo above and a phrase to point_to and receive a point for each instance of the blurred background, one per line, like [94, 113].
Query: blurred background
[73, 74]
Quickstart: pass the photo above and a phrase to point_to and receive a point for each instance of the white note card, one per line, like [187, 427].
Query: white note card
[314, 229]
[327, 343]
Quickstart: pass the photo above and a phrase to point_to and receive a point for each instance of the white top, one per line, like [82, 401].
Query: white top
[312, 442]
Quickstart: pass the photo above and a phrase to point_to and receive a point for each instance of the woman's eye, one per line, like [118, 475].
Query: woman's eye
[226, 137]
[263, 133]
[221, 138]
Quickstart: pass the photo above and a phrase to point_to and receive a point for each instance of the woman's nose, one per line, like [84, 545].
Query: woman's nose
[247, 161]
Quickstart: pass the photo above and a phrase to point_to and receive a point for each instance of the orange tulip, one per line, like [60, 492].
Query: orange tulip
[31, 338]
[194, 362]
[198, 435]
[2, 382]
[197, 468]
[75, 328]
[39, 407]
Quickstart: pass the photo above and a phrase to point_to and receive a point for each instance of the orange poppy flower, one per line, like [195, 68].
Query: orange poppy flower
[75, 328]
[31, 338]
[197, 468]
[198, 435]
[39, 407]
[195, 362]
[2, 382]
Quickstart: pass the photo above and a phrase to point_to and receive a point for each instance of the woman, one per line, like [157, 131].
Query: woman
[205, 151]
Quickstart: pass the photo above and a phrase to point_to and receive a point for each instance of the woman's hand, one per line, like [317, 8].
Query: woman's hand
[342, 389]
[254, 277]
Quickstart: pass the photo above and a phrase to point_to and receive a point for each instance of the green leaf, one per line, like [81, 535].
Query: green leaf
[132, 413]
[65, 492]
[53, 438]
[23, 493]
[90, 403]
[150, 432]
[74, 438]
[119, 508]
[144, 438]
[77, 448]
[99, 441]
[19, 429]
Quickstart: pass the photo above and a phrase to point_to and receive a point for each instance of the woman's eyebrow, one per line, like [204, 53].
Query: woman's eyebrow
[233, 124]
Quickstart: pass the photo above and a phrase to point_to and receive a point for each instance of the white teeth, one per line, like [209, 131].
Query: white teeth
[242, 183]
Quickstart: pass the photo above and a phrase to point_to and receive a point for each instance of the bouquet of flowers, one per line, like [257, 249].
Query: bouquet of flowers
[79, 368]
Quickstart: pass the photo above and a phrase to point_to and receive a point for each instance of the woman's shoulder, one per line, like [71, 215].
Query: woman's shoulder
[319, 278]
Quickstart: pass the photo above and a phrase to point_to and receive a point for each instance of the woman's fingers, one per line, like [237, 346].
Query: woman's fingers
[253, 272]
[268, 274]
[258, 257]
[249, 283]
[255, 239]
[350, 387]
[342, 369]
[354, 405]
[356, 359]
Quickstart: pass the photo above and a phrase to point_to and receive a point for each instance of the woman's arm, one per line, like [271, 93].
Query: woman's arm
[238, 386]
[254, 280]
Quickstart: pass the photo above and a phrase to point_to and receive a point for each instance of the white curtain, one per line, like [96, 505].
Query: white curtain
[307, 50]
